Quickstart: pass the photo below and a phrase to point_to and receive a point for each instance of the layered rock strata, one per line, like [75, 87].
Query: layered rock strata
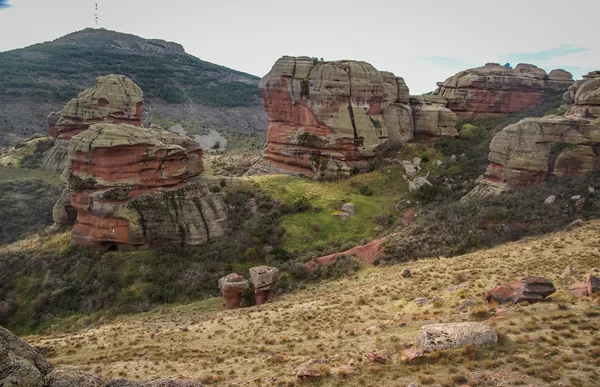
[263, 279]
[494, 89]
[529, 289]
[328, 118]
[137, 187]
[232, 286]
[526, 153]
[114, 98]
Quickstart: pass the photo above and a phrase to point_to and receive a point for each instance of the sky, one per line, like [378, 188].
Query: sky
[422, 41]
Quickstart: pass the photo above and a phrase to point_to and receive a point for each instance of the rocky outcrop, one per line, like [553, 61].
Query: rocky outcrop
[72, 377]
[114, 98]
[137, 187]
[593, 284]
[20, 365]
[529, 289]
[452, 335]
[232, 286]
[526, 153]
[494, 89]
[432, 118]
[328, 118]
[263, 279]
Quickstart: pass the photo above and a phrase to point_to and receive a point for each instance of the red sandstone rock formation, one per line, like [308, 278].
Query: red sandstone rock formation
[530, 289]
[114, 98]
[526, 153]
[330, 117]
[263, 279]
[495, 89]
[592, 283]
[367, 253]
[134, 187]
[232, 286]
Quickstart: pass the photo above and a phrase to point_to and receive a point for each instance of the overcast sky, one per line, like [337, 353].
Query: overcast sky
[422, 41]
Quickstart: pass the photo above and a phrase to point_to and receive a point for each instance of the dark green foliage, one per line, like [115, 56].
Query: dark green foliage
[342, 266]
[173, 77]
[39, 285]
[25, 208]
[365, 190]
[450, 227]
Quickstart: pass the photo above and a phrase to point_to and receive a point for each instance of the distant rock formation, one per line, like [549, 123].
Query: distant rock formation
[114, 98]
[137, 187]
[328, 118]
[526, 153]
[494, 89]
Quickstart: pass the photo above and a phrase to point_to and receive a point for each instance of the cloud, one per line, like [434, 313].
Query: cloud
[4, 4]
[548, 55]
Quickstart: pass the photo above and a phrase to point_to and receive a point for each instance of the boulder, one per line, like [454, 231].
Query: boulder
[418, 183]
[593, 284]
[114, 98]
[348, 208]
[232, 286]
[494, 89]
[72, 377]
[405, 273]
[529, 289]
[569, 271]
[63, 213]
[20, 364]
[139, 187]
[263, 279]
[550, 199]
[452, 335]
[579, 289]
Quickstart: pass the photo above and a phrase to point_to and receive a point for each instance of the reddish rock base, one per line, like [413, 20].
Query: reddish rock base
[261, 298]
[367, 253]
[529, 289]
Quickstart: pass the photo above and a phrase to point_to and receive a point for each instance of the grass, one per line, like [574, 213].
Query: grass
[340, 322]
[319, 227]
[11, 174]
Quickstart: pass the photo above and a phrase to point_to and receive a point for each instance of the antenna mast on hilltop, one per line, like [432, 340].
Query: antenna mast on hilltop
[96, 15]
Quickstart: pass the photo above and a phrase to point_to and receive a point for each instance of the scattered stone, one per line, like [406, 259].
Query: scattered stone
[418, 183]
[591, 190]
[576, 197]
[421, 301]
[456, 288]
[579, 204]
[550, 199]
[72, 377]
[579, 289]
[304, 372]
[232, 286]
[375, 358]
[417, 162]
[530, 289]
[405, 273]
[346, 369]
[466, 304]
[568, 271]
[308, 374]
[593, 284]
[575, 223]
[263, 279]
[348, 208]
[438, 163]
[453, 335]
[453, 159]
[409, 168]
[412, 354]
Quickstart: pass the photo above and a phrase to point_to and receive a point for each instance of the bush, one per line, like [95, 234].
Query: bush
[365, 190]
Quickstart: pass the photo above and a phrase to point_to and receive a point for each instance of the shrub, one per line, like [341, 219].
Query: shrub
[365, 190]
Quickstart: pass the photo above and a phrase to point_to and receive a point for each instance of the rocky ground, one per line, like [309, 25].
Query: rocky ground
[355, 330]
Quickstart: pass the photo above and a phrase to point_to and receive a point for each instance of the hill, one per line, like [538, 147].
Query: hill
[339, 323]
[178, 87]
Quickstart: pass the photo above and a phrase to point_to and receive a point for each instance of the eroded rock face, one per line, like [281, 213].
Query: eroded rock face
[330, 117]
[20, 365]
[114, 98]
[494, 89]
[232, 286]
[72, 377]
[524, 154]
[432, 117]
[452, 335]
[529, 289]
[138, 187]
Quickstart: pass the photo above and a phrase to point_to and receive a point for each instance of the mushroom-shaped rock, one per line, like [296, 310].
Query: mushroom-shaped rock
[232, 286]
[530, 289]
[443, 336]
[263, 279]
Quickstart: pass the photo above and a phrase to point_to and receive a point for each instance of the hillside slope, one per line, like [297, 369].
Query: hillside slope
[338, 323]
[178, 87]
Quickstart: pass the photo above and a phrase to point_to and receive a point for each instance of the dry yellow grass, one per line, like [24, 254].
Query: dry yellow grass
[340, 322]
